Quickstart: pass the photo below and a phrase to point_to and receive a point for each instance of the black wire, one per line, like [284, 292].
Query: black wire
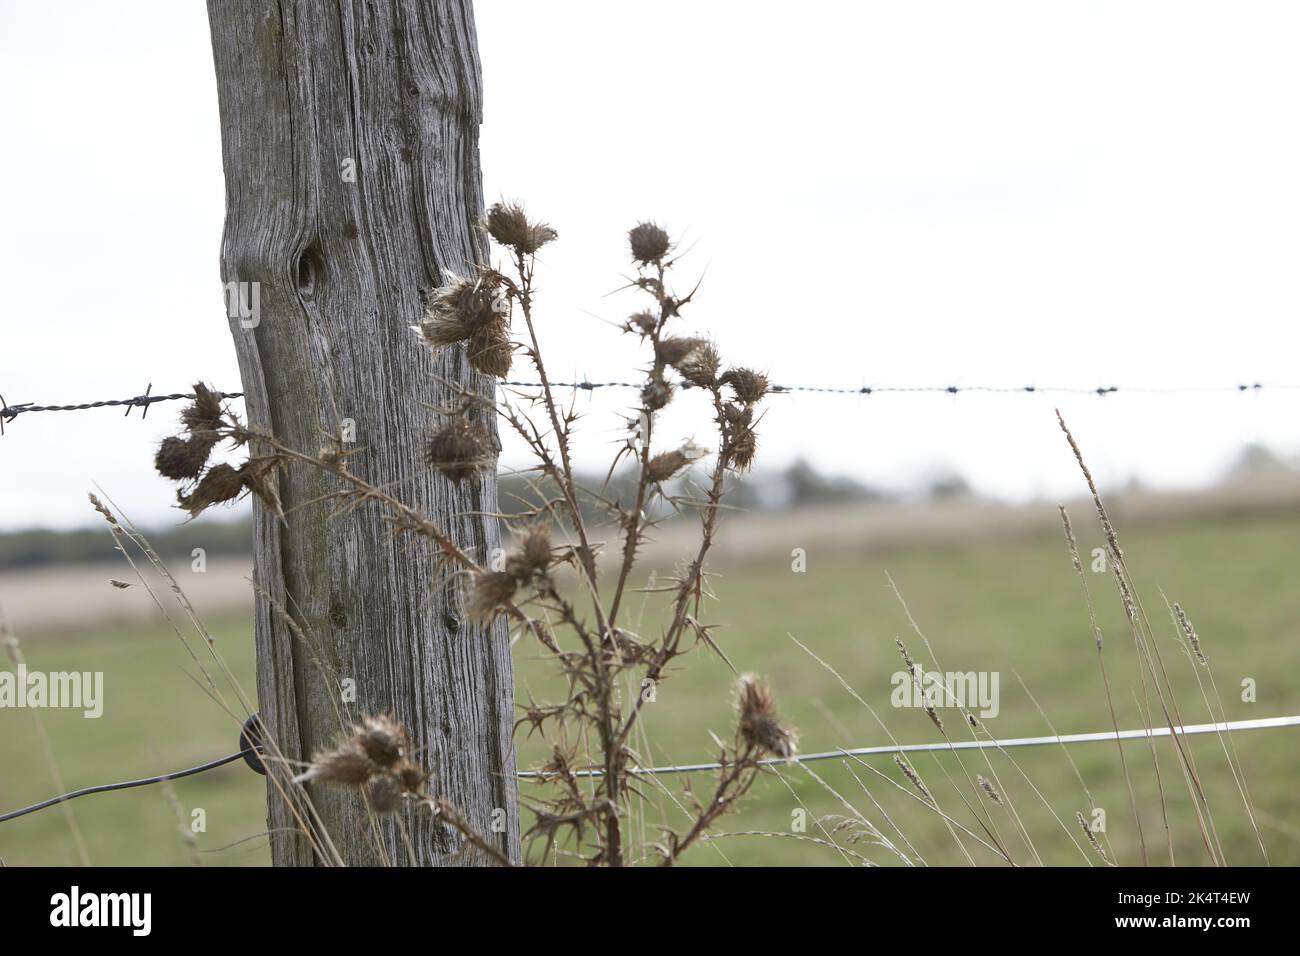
[104, 788]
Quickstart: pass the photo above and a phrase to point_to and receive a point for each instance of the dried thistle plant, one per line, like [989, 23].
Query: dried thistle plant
[489, 313]
[373, 760]
[185, 459]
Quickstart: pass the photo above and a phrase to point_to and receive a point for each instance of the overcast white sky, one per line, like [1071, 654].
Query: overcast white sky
[920, 193]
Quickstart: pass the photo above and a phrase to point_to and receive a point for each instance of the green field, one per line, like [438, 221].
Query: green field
[998, 604]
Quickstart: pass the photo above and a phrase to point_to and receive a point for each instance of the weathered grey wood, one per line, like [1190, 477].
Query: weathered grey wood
[393, 88]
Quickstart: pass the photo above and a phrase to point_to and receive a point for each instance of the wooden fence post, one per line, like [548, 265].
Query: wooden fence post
[350, 143]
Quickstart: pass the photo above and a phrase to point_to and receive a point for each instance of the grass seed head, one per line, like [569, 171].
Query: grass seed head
[1193, 638]
[914, 777]
[1092, 837]
[988, 788]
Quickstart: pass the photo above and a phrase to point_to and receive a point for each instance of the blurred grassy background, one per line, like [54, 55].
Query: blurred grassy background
[987, 601]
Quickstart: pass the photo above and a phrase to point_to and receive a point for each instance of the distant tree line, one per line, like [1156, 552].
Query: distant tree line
[798, 485]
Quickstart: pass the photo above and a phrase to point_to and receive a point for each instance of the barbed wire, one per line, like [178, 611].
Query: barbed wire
[252, 755]
[1102, 390]
[9, 412]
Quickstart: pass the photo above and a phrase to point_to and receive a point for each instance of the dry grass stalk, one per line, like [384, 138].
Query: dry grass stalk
[1152, 672]
[1105, 679]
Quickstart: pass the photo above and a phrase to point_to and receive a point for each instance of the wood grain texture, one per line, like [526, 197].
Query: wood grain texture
[395, 88]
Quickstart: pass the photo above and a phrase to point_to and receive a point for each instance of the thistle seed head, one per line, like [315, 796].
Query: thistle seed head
[643, 323]
[701, 366]
[490, 350]
[373, 758]
[760, 724]
[384, 793]
[475, 311]
[669, 464]
[508, 224]
[741, 443]
[656, 394]
[649, 243]
[221, 483]
[675, 349]
[347, 765]
[534, 553]
[381, 739]
[258, 476]
[459, 450]
[492, 590]
[204, 414]
[181, 458]
[749, 386]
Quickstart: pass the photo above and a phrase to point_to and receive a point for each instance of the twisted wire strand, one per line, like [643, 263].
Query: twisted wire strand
[9, 412]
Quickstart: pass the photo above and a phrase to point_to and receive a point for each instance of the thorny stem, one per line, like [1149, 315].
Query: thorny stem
[736, 777]
[633, 534]
[444, 811]
[691, 583]
[585, 553]
[613, 851]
